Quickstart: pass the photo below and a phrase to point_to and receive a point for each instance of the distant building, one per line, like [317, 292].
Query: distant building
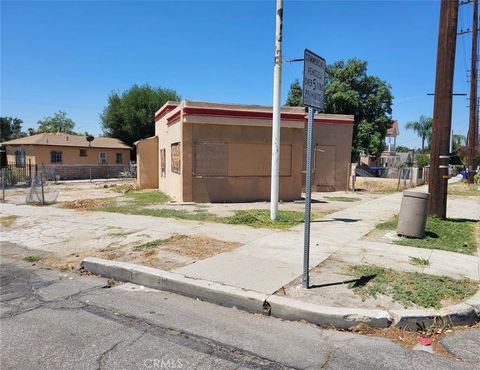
[211, 152]
[392, 133]
[389, 162]
[69, 156]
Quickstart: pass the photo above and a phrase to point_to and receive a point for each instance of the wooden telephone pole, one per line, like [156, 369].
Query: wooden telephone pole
[473, 119]
[442, 108]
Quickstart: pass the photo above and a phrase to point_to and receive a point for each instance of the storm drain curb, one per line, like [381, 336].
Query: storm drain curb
[278, 306]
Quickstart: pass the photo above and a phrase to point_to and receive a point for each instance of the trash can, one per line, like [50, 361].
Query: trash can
[413, 214]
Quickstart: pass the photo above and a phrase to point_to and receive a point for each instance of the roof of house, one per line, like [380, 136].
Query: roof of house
[393, 130]
[62, 139]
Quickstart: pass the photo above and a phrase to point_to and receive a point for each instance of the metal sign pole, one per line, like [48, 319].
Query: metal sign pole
[313, 98]
[308, 196]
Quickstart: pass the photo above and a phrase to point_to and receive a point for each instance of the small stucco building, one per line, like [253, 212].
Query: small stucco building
[69, 156]
[210, 152]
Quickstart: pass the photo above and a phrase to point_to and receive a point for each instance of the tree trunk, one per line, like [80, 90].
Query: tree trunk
[423, 143]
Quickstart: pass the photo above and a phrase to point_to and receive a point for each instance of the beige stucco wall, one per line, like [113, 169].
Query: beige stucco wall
[248, 164]
[170, 182]
[39, 154]
[228, 159]
[336, 142]
[147, 163]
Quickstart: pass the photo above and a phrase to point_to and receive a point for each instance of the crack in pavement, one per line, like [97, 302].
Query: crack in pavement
[194, 342]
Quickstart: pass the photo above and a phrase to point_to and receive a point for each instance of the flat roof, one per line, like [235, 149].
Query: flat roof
[173, 110]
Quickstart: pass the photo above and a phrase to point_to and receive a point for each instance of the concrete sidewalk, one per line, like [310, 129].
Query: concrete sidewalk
[63, 231]
[267, 264]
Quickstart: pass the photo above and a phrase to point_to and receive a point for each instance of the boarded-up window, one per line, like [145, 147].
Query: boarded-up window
[210, 159]
[176, 158]
[256, 160]
[163, 163]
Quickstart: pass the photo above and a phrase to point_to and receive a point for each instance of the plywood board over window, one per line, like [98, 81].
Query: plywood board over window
[176, 158]
[163, 163]
[251, 159]
[210, 159]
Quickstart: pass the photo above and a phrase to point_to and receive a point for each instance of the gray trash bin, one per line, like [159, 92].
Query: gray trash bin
[413, 214]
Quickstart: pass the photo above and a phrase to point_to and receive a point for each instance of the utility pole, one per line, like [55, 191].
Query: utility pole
[473, 119]
[277, 84]
[442, 107]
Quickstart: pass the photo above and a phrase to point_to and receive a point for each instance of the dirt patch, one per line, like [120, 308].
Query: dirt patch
[380, 185]
[198, 247]
[86, 204]
[329, 287]
[171, 253]
[409, 338]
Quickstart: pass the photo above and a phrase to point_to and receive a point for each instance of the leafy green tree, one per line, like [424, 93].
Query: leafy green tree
[58, 123]
[402, 149]
[11, 128]
[458, 141]
[422, 159]
[295, 95]
[422, 127]
[131, 115]
[350, 90]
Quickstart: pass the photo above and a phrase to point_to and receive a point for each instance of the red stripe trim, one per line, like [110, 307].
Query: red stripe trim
[229, 113]
[326, 121]
[173, 118]
[165, 110]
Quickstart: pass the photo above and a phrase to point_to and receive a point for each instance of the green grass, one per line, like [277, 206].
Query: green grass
[146, 198]
[343, 199]
[137, 203]
[261, 218]
[418, 261]
[253, 218]
[32, 258]
[454, 235]
[7, 221]
[409, 288]
[463, 189]
[151, 244]
[388, 225]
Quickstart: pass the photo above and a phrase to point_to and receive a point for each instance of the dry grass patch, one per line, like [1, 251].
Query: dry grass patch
[380, 185]
[197, 246]
[408, 338]
[86, 204]
[7, 221]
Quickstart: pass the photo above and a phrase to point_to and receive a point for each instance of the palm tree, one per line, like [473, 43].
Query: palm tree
[422, 127]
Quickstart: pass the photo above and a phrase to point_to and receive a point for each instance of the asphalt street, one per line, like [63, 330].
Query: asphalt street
[55, 320]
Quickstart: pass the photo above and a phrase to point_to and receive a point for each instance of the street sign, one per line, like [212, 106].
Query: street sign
[313, 96]
[313, 80]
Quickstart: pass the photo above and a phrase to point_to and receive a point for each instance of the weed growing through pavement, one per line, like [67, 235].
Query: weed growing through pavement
[32, 258]
[418, 261]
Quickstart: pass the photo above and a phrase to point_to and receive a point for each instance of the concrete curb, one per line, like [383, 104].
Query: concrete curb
[281, 307]
[176, 283]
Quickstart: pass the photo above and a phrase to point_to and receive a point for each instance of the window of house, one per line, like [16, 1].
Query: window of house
[163, 163]
[19, 158]
[118, 158]
[56, 157]
[102, 157]
[176, 158]
[83, 152]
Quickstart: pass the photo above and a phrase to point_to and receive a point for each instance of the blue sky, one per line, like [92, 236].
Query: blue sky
[70, 55]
